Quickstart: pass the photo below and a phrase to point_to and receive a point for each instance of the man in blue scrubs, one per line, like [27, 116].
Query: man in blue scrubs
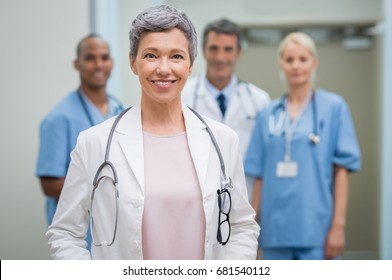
[80, 109]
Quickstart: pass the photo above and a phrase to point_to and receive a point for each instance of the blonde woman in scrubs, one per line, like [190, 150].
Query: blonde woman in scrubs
[302, 149]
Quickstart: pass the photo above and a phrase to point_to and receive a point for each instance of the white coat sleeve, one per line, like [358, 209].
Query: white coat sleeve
[67, 234]
[244, 228]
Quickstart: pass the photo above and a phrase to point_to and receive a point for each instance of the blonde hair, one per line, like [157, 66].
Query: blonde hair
[298, 38]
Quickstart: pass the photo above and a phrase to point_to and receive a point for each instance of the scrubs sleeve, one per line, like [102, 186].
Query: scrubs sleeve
[53, 157]
[254, 163]
[347, 153]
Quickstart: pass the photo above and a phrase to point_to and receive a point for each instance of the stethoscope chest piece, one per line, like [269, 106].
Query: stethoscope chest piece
[314, 138]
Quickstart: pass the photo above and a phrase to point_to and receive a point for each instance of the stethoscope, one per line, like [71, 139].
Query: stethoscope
[226, 182]
[83, 102]
[276, 124]
[237, 92]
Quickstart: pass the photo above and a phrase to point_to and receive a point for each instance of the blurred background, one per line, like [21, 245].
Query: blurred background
[38, 44]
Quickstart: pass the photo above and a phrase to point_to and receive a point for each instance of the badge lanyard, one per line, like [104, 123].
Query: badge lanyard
[290, 128]
[288, 168]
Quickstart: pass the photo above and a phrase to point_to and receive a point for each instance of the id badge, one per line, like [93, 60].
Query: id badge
[287, 169]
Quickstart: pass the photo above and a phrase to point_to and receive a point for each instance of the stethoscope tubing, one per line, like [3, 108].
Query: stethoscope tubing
[226, 182]
[85, 109]
[87, 112]
[314, 137]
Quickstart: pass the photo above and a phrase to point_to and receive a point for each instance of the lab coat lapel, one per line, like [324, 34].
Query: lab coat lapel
[199, 144]
[130, 140]
[207, 100]
[232, 111]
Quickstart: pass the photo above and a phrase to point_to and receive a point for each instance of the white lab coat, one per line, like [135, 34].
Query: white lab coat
[243, 107]
[67, 233]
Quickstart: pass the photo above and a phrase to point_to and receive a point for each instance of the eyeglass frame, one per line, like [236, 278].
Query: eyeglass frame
[226, 185]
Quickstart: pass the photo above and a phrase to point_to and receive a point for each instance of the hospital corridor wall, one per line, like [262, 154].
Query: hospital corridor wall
[38, 45]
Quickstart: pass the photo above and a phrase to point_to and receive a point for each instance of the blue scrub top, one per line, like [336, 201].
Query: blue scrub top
[297, 212]
[58, 135]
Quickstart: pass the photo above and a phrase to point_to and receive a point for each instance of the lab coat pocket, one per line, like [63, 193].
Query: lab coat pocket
[217, 252]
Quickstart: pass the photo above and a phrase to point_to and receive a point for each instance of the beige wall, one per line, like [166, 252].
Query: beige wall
[38, 40]
[278, 13]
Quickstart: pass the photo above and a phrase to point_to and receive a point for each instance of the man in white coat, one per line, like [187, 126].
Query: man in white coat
[218, 93]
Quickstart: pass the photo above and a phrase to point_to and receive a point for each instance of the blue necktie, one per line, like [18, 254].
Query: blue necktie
[222, 103]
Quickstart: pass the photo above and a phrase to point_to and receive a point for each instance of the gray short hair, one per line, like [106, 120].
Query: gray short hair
[158, 19]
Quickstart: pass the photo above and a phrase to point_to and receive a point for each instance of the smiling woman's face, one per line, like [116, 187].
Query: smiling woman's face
[163, 65]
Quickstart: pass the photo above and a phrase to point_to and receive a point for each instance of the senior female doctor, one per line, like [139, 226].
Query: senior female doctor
[173, 199]
[301, 151]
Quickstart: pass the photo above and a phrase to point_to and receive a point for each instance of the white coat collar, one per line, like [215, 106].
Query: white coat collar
[131, 142]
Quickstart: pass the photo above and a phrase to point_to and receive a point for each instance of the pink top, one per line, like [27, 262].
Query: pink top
[173, 225]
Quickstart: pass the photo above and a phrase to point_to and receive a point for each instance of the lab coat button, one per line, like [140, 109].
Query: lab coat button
[136, 203]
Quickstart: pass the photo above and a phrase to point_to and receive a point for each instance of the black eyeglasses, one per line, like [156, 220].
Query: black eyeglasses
[224, 227]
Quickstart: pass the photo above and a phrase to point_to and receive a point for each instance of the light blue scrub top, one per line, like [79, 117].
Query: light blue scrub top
[297, 212]
[58, 135]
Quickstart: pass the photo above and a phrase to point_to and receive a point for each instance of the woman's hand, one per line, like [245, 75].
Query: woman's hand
[334, 243]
